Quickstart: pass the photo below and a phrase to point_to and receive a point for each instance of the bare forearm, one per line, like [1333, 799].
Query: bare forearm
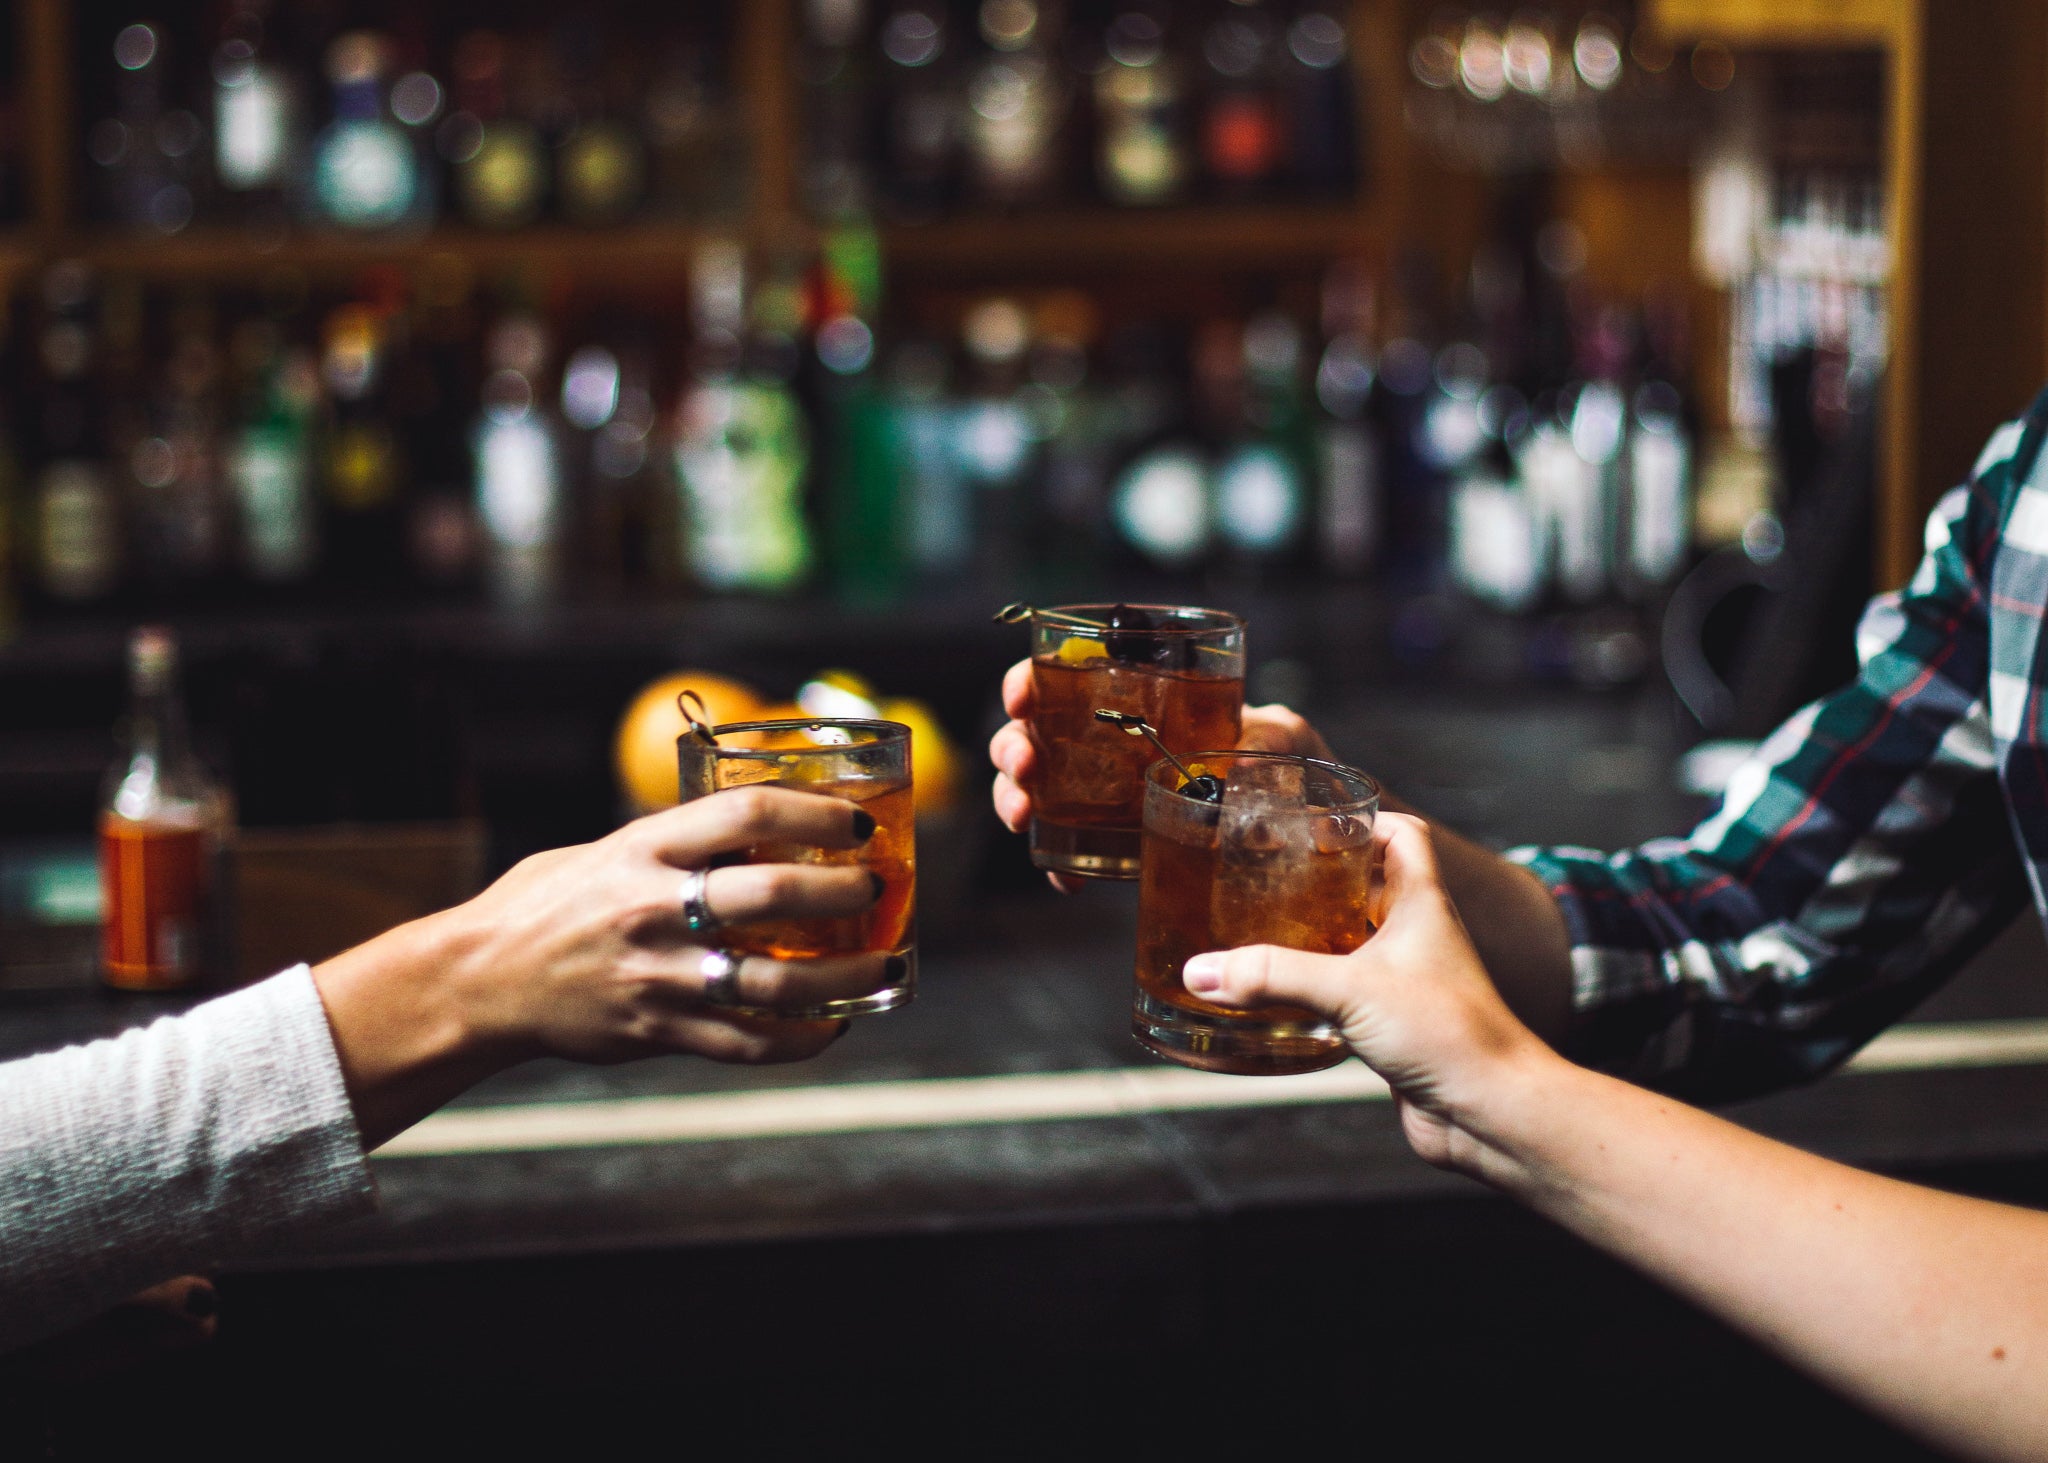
[1927, 1307]
[1516, 926]
[405, 1044]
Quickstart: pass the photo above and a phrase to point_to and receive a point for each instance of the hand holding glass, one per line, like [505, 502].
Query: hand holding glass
[866, 762]
[1280, 854]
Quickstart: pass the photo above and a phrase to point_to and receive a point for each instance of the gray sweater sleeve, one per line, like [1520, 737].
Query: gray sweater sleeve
[202, 1137]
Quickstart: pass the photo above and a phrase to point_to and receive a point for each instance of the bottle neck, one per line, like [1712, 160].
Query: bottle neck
[156, 719]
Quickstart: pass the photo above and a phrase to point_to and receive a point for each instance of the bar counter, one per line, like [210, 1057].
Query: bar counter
[996, 1189]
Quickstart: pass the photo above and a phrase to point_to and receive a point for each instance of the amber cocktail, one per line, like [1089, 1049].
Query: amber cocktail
[1283, 857]
[866, 762]
[1180, 669]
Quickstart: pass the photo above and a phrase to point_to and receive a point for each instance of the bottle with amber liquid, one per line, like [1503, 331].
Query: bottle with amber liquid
[163, 824]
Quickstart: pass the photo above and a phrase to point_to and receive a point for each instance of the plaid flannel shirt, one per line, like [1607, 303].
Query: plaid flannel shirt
[1875, 842]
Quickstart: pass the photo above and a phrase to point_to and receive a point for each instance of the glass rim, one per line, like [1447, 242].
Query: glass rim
[886, 733]
[1221, 621]
[1372, 784]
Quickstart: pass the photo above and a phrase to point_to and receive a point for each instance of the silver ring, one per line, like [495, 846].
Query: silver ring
[721, 972]
[697, 915]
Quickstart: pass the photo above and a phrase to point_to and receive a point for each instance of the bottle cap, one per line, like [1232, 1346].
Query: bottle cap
[152, 656]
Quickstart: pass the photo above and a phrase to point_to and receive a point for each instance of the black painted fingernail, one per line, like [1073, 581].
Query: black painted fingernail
[202, 1302]
[895, 967]
[877, 883]
[863, 824]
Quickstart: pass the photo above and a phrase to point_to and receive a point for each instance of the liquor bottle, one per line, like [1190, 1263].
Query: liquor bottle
[75, 533]
[1319, 114]
[163, 825]
[608, 404]
[1348, 506]
[600, 162]
[1262, 478]
[696, 137]
[994, 439]
[1243, 141]
[873, 444]
[269, 461]
[501, 168]
[149, 154]
[1496, 535]
[837, 179]
[519, 500]
[360, 461]
[255, 119]
[741, 448]
[179, 514]
[1014, 105]
[1142, 150]
[1077, 423]
[591, 379]
[921, 123]
[1597, 411]
[1659, 463]
[1160, 498]
[433, 380]
[366, 169]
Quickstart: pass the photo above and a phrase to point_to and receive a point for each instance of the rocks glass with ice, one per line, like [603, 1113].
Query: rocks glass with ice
[865, 762]
[1181, 669]
[1284, 857]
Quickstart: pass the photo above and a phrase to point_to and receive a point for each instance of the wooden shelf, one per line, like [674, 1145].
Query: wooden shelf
[627, 258]
[639, 255]
[1785, 22]
[1243, 236]
[18, 254]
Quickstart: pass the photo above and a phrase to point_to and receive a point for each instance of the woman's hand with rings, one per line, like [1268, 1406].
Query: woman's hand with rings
[586, 953]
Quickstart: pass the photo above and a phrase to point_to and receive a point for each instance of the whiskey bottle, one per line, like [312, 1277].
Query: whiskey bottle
[163, 826]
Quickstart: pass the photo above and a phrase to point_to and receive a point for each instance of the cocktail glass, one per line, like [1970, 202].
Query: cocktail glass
[1285, 857]
[1179, 668]
[866, 762]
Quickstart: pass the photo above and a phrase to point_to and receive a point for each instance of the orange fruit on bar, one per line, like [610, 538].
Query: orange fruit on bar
[644, 750]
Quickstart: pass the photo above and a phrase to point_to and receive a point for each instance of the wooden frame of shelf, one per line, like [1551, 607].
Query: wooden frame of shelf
[618, 256]
[1894, 27]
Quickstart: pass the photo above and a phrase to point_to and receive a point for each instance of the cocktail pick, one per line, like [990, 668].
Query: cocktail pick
[1203, 789]
[1018, 613]
[699, 723]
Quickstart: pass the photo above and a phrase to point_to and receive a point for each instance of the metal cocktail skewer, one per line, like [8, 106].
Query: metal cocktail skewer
[699, 721]
[1203, 789]
[1018, 613]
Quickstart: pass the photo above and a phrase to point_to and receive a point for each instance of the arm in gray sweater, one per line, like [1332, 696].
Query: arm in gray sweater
[214, 1134]
[200, 1137]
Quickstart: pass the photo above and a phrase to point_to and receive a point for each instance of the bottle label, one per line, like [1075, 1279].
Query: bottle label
[154, 878]
[77, 532]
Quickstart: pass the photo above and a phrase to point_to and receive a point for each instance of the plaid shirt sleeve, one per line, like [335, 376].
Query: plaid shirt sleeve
[1855, 862]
